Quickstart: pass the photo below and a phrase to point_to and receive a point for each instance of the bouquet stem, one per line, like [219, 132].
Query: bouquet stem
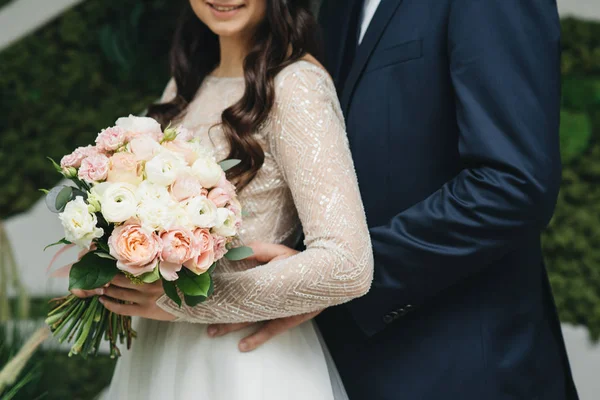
[87, 321]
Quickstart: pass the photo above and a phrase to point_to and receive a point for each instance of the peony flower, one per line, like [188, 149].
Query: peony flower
[226, 223]
[208, 172]
[220, 246]
[226, 186]
[111, 139]
[179, 246]
[164, 167]
[202, 212]
[157, 215]
[144, 147]
[188, 150]
[118, 201]
[219, 196]
[185, 186]
[79, 224]
[136, 126]
[136, 249]
[125, 168]
[205, 253]
[94, 168]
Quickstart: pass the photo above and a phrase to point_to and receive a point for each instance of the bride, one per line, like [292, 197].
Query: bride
[247, 84]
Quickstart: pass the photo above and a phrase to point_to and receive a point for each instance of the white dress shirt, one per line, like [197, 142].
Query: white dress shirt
[367, 15]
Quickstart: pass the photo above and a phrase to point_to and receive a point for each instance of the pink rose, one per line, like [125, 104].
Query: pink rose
[94, 168]
[111, 139]
[74, 159]
[135, 248]
[185, 186]
[219, 196]
[220, 248]
[125, 168]
[144, 147]
[204, 256]
[179, 246]
[184, 135]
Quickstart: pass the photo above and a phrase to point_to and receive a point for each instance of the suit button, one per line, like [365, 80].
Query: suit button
[402, 312]
[408, 308]
[388, 318]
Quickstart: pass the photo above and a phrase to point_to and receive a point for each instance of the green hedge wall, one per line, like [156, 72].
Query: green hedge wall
[572, 242]
[102, 60]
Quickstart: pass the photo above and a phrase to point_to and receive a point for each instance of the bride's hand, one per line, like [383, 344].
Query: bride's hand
[264, 253]
[140, 299]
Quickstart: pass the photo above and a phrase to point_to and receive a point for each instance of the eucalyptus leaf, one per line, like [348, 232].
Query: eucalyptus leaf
[193, 301]
[226, 165]
[171, 291]
[55, 199]
[61, 241]
[92, 272]
[239, 253]
[193, 285]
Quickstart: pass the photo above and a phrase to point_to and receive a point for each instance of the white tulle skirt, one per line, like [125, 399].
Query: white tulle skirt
[180, 361]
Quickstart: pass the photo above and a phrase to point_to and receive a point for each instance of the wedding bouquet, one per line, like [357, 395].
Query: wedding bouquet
[148, 204]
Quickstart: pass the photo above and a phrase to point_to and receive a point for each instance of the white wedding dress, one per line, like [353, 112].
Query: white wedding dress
[307, 183]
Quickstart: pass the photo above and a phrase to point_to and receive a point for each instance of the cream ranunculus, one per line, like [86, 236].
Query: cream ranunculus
[79, 224]
[208, 172]
[118, 201]
[202, 212]
[157, 215]
[148, 191]
[164, 167]
[226, 223]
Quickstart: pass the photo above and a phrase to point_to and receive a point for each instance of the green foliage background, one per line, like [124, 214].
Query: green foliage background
[103, 59]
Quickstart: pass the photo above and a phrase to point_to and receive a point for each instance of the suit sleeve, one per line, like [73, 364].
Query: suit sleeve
[504, 61]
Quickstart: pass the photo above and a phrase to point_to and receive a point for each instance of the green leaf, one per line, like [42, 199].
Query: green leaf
[193, 285]
[102, 246]
[226, 165]
[239, 253]
[211, 269]
[61, 241]
[55, 164]
[193, 301]
[92, 272]
[151, 277]
[171, 291]
[102, 254]
[45, 191]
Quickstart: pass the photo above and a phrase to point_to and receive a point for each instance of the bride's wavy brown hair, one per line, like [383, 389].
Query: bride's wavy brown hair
[287, 34]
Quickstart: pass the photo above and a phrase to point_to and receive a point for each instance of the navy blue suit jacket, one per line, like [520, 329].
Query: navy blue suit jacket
[452, 112]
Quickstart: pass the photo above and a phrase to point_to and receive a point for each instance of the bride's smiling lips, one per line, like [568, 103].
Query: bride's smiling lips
[223, 9]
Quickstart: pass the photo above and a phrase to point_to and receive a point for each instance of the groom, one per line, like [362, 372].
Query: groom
[452, 110]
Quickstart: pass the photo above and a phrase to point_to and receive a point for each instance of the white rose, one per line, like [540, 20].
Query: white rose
[182, 218]
[202, 212]
[157, 216]
[118, 201]
[135, 126]
[79, 224]
[163, 168]
[151, 192]
[208, 172]
[226, 223]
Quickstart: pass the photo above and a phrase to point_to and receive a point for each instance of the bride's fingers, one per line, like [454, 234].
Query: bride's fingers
[120, 293]
[82, 294]
[217, 330]
[128, 310]
[124, 282]
[266, 252]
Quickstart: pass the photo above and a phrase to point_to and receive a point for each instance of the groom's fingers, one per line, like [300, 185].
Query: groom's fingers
[272, 329]
[217, 330]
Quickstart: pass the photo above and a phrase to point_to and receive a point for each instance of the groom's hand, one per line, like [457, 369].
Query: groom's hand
[264, 253]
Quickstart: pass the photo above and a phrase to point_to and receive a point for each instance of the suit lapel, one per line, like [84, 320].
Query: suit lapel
[380, 21]
[332, 12]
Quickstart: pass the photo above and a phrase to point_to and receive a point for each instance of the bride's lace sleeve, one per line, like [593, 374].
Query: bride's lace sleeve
[308, 140]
